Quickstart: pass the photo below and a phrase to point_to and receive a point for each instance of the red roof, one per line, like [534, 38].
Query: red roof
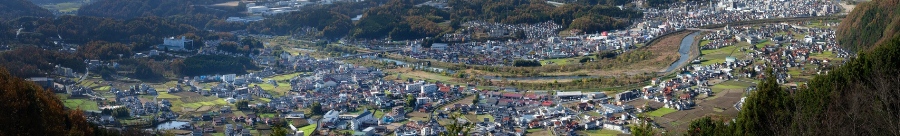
[512, 95]
[547, 103]
[533, 96]
[445, 89]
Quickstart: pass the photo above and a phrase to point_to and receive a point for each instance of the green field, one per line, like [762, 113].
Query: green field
[763, 43]
[205, 103]
[84, 104]
[267, 115]
[479, 118]
[826, 55]
[104, 89]
[63, 7]
[704, 42]
[715, 56]
[284, 77]
[283, 84]
[275, 91]
[166, 95]
[564, 61]
[730, 85]
[661, 112]
[378, 114]
[601, 132]
[308, 129]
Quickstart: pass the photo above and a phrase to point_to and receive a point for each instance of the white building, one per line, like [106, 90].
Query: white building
[364, 117]
[429, 88]
[439, 46]
[176, 44]
[413, 87]
[257, 9]
[228, 78]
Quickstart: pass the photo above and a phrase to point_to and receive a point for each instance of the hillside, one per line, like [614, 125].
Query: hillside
[31, 110]
[11, 9]
[126, 9]
[53, 1]
[145, 31]
[870, 23]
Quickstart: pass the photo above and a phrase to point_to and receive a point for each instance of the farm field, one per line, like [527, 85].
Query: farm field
[731, 85]
[715, 56]
[84, 104]
[661, 112]
[679, 120]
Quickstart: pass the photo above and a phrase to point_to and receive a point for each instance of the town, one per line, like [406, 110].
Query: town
[323, 88]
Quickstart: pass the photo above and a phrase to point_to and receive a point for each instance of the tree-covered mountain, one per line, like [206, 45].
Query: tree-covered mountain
[588, 18]
[143, 32]
[400, 21]
[869, 24]
[12, 9]
[54, 1]
[31, 61]
[406, 19]
[126, 9]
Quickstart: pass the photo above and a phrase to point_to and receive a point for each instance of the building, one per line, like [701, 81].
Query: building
[569, 95]
[439, 46]
[428, 88]
[229, 78]
[44, 82]
[176, 44]
[362, 118]
[609, 108]
[257, 9]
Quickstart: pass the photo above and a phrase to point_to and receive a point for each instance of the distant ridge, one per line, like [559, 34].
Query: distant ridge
[12, 9]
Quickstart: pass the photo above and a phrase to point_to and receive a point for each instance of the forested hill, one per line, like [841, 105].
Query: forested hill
[11, 9]
[30, 110]
[870, 23]
[126, 9]
[144, 31]
[53, 1]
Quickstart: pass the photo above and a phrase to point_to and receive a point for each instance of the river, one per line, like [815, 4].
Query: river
[685, 51]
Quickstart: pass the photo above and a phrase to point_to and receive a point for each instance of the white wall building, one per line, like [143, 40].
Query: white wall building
[228, 78]
[176, 44]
